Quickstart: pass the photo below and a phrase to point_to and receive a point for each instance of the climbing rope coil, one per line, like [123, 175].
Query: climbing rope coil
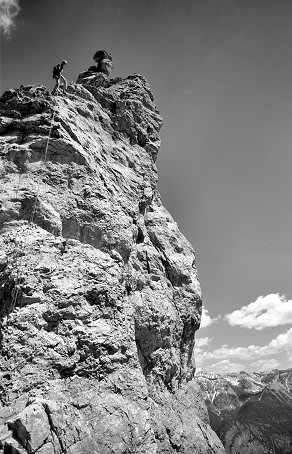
[23, 240]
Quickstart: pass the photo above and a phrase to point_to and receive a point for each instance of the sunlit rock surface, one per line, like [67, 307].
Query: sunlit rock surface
[251, 413]
[100, 298]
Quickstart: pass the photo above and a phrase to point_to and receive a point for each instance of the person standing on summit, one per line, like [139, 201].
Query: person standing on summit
[57, 75]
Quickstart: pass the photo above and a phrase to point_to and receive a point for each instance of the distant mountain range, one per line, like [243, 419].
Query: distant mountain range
[250, 412]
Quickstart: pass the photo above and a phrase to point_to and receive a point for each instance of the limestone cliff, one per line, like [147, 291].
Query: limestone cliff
[99, 295]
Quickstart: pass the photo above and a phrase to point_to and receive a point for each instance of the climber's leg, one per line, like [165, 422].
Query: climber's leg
[64, 83]
[56, 86]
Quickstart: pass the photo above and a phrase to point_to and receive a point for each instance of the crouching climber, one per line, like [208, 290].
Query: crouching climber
[104, 62]
[57, 75]
[98, 75]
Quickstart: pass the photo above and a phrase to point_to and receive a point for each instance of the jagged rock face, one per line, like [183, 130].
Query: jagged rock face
[251, 413]
[100, 298]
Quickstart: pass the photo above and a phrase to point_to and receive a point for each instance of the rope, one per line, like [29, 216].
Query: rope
[19, 271]
[18, 186]
[44, 162]
[16, 289]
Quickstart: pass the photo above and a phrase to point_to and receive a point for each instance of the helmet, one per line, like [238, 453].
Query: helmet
[64, 62]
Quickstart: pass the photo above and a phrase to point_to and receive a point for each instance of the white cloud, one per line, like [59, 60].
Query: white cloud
[242, 353]
[206, 320]
[281, 344]
[203, 341]
[225, 366]
[9, 9]
[264, 364]
[269, 310]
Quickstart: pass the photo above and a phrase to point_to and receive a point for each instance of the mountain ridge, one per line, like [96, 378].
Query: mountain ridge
[250, 412]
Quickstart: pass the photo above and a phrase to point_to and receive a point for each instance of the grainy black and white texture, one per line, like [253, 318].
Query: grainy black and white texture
[250, 412]
[100, 298]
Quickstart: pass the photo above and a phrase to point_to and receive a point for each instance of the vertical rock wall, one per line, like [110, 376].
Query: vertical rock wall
[99, 295]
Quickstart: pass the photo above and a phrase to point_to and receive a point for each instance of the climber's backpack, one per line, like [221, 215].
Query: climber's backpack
[56, 72]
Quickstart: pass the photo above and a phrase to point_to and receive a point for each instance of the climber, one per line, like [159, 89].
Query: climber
[106, 65]
[104, 62]
[57, 75]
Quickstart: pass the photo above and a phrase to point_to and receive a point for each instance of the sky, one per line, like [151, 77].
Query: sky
[221, 74]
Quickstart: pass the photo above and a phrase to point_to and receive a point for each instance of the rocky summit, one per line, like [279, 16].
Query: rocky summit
[99, 294]
[251, 413]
